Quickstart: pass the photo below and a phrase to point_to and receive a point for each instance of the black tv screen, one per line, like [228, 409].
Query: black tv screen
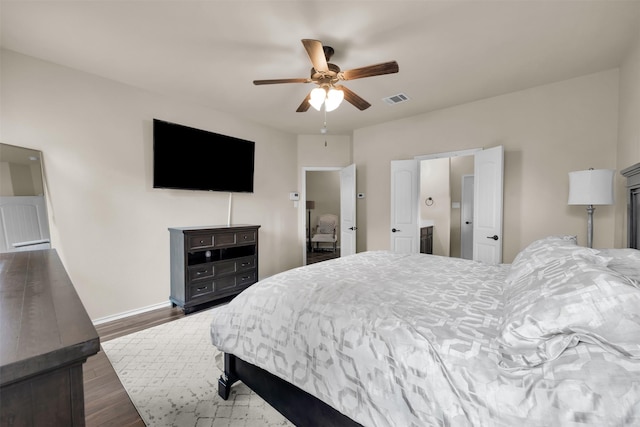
[192, 159]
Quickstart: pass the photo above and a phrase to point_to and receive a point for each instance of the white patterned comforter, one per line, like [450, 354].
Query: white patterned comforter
[409, 340]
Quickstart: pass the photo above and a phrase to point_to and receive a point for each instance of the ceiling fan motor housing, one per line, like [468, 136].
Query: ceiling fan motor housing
[330, 76]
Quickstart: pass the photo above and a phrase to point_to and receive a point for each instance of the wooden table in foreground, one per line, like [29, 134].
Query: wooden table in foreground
[45, 337]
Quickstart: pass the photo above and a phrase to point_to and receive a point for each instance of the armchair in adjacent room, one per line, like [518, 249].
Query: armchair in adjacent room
[326, 231]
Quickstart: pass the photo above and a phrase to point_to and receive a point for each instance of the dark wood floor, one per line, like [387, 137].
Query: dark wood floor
[106, 401]
[321, 255]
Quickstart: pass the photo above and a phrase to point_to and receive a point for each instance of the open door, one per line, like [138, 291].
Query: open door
[466, 218]
[487, 212]
[405, 191]
[348, 210]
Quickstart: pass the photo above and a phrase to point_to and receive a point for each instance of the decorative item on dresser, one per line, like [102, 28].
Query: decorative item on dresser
[210, 263]
[46, 336]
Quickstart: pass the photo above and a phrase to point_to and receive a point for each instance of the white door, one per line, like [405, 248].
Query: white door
[348, 210]
[487, 213]
[405, 191]
[466, 218]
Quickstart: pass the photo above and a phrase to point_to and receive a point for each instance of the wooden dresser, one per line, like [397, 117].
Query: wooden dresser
[209, 263]
[45, 337]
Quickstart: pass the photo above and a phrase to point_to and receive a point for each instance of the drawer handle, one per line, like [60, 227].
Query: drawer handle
[244, 264]
[201, 288]
[201, 241]
[246, 237]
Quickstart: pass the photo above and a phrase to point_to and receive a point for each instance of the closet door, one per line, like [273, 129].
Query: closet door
[487, 214]
[405, 192]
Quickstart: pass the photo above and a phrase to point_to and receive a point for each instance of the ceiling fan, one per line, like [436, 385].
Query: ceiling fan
[326, 75]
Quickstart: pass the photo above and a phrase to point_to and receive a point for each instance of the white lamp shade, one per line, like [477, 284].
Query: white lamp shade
[334, 98]
[591, 187]
[317, 97]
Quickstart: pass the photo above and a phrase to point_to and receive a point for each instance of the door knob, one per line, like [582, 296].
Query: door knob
[494, 237]
[394, 230]
[467, 222]
[353, 228]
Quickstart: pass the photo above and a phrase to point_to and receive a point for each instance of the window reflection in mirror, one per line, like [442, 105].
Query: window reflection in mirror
[23, 216]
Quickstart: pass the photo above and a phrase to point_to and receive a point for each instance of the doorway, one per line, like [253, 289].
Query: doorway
[488, 171]
[322, 197]
[345, 191]
[446, 203]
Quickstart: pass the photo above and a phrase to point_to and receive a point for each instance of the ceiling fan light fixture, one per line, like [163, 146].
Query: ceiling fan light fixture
[317, 97]
[334, 99]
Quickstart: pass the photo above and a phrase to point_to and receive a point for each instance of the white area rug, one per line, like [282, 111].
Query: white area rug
[170, 373]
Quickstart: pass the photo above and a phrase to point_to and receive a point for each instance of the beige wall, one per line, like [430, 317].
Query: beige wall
[546, 131]
[107, 222]
[628, 152]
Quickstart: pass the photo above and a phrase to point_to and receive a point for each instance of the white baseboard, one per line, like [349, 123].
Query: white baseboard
[131, 313]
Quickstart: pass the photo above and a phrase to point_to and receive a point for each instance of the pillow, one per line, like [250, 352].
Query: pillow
[541, 251]
[624, 261]
[563, 302]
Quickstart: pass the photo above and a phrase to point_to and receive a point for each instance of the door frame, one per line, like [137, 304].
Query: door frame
[302, 207]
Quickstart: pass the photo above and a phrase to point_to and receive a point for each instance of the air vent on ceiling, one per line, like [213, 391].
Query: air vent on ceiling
[396, 99]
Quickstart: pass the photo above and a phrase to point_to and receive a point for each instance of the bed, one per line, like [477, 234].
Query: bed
[387, 339]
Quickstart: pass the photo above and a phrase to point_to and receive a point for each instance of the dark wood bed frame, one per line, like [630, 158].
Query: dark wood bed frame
[298, 406]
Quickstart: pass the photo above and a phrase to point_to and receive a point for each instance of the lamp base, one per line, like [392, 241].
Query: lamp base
[590, 210]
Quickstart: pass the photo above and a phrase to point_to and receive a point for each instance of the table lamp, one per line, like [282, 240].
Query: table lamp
[591, 187]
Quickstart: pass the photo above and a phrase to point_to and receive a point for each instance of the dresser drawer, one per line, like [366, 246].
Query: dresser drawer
[224, 239]
[199, 290]
[200, 272]
[200, 241]
[246, 263]
[248, 236]
[246, 278]
[233, 239]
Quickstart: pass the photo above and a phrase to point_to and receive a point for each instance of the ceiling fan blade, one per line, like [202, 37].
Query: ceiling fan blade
[305, 104]
[353, 99]
[371, 70]
[316, 54]
[276, 81]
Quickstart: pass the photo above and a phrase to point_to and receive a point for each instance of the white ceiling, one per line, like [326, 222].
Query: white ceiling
[209, 52]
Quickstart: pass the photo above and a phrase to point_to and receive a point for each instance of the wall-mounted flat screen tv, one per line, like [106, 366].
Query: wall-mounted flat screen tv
[186, 158]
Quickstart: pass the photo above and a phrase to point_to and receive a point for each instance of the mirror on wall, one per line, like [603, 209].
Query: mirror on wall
[24, 224]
